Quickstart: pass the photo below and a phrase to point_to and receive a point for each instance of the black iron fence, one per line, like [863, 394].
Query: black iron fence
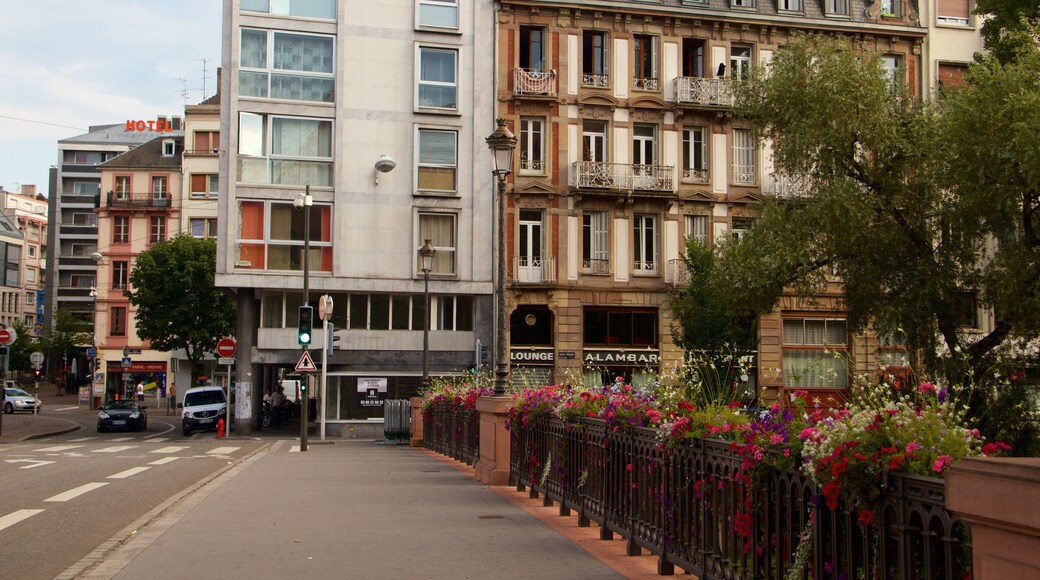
[453, 432]
[695, 507]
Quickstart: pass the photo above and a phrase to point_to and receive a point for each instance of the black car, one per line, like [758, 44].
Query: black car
[126, 414]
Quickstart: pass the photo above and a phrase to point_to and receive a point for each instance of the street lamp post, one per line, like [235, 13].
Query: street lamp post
[502, 143]
[426, 254]
[304, 201]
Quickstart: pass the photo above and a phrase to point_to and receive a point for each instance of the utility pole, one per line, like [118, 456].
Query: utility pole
[305, 201]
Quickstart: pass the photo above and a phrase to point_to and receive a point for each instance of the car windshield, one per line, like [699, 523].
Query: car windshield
[16, 393]
[203, 398]
[111, 405]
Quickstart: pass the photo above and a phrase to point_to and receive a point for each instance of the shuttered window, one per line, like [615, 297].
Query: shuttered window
[954, 12]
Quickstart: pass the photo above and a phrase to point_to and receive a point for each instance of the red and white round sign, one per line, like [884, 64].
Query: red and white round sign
[226, 347]
[7, 336]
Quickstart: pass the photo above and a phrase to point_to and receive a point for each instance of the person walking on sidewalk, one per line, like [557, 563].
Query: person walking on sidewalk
[278, 407]
[173, 399]
[140, 392]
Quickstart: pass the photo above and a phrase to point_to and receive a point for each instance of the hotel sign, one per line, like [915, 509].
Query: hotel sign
[532, 355]
[153, 125]
[621, 356]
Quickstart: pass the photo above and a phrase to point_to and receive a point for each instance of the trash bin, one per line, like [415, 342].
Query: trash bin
[397, 419]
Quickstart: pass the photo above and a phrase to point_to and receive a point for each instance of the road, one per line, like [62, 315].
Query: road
[64, 496]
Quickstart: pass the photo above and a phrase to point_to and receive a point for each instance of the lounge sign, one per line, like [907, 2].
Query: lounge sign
[621, 356]
[532, 355]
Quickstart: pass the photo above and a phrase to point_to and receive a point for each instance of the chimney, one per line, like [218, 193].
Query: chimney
[29, 190]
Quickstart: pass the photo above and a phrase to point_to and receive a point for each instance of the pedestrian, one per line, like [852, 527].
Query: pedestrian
[278, 407]
[173, 399]
[140, 391]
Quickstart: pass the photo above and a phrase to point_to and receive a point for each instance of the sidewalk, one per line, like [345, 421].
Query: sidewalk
[352, 509]
[23, 426]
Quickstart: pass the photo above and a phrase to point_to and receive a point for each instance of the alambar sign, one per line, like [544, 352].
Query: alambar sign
[620, 356]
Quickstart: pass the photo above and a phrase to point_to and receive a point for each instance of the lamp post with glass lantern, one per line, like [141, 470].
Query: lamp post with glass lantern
[426, 255]
[502, 143]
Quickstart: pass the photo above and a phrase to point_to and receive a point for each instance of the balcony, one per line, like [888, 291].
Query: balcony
[595, 80]
[138, 200]
[534, 83]
[595, 266]
[675, 272]
[789, 185]
[703, 92]
[621, 177]
[534, 270]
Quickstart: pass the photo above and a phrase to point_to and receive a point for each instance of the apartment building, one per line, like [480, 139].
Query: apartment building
[138, 206]
[379, 110]
[28, 210]
[627, 147]
[953, 39]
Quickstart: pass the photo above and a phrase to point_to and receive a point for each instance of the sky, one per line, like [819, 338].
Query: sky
[68, 64]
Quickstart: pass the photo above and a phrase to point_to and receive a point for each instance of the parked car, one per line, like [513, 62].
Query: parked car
[202, 408]
[125, 414]
[16, 399]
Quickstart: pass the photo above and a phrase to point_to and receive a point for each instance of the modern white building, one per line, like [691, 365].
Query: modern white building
[381, 109]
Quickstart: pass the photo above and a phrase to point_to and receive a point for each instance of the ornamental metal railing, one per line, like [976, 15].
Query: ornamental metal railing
[695, 507]
[453, 432]
[534, 269]
[789, 185]
[155, 200]
[712, 92]
[621, 176]
[534, 82]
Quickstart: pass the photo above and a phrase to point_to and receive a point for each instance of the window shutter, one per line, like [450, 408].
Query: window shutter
[954, 8]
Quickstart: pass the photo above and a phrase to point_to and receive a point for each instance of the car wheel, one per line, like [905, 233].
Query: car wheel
[9, 408]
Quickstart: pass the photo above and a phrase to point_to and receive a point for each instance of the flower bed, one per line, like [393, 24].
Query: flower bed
[451, 424]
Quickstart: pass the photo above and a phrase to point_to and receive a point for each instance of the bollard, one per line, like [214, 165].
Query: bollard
[220, 428]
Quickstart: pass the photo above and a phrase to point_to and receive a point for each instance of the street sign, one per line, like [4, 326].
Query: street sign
[7, 336]
[226, 348]
[230, 360]
[324, 306]
[91, 352]
[306, 364]
[126, 362]
[36, 358]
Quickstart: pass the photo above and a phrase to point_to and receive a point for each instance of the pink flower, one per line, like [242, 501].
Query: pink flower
[995, 448]
[941, 463]
[629, 467]
[913, 447]
[926, 388]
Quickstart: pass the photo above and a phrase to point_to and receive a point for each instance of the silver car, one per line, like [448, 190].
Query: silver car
[16, 399]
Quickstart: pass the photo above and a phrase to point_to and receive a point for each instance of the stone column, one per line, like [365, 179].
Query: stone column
[493, 466]
[998, 498]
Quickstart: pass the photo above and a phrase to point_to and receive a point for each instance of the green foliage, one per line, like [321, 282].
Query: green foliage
[178, 307]
[67, 335]
[1005, 24]
[21, 348]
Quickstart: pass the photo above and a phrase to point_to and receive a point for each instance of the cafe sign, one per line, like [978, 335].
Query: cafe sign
[532, 355]
[621, 356]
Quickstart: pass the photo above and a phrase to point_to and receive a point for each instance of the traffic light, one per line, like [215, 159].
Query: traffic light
[36, 374]
[331, 339]
[306, 320]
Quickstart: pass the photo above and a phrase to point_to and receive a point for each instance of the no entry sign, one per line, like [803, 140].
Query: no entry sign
[7, 336]
[226, 347]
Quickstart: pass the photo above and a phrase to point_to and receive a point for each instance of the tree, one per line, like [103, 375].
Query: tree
[1003, 18]
[21, 348]
[895, 191]
[178, 307]
[66, 338]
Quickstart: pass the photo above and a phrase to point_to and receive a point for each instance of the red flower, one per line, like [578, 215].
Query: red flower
[831, 492]
[866, 517]
[995, 448]
[895, 462]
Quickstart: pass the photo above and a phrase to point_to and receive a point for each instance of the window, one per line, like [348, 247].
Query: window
[965, 309]
[436, 169]
[532, 48]
[594, 141]
[121, 229]
[206, 142]
[594, 64]
[284, 150]
[204, 185]
[624, 327]
[30, 275]
[32, 250]
[270, 236]
[741, 227]
[84, 219]
[308, 8]
[692, 57]
[532, 145]
[117, 324]
[439, 228]
[739, 61]
[407, 312]
[951, 75]
[695, 154]
[697, 228]
[836, 7]
[890, 65]
[956, 12]
[742, 3]
[86, 187]
[891, 8]
[644, 145]
[439, 14]
[122, 186]
[595, 253]
[282, 65]
[789, 5]
[644, 235]
[160, 188]
[644, 62]
[169, 147]
[84, 157]
[892, 352]
[745, 163]
[157, 229]
[203, 227]
[815, 353]
[120, 274]
[81, 281]
[437, 86]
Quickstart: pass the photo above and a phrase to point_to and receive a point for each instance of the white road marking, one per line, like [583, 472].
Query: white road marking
[76, 492]
[58, 448]
[294, 449]
[35, 462]
[15, 517]
[164, 461]
[128, 472]
[84, 438]
[118, 439]
[67, 409]
[115, 449]
[222, 450]
[170, 449]
[157, 439]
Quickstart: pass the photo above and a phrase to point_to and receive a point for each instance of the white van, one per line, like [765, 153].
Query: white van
[202, 408]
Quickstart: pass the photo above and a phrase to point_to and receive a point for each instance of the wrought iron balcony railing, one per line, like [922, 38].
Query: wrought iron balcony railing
[139, 200]
[534, 270]
[675, 273]
[647, 84]
[594, 266]
[599, 80]
[789, 185]
[621, 176]
[534, 82]
[702, 91]
[695, 175]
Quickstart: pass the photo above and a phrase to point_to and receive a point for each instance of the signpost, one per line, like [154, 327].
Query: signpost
[325, 313]
[36, 358]
[7, 336]
[226, 349]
